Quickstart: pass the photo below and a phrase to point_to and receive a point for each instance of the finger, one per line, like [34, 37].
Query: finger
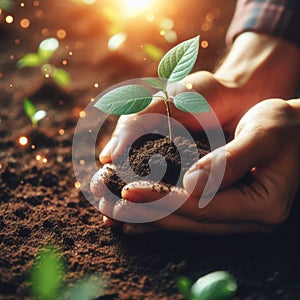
[98, 184]
[109, 222]
[128, 128]
[182, 224]
[224, 166]
[237, 203]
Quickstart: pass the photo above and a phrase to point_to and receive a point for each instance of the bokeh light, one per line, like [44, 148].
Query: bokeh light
[25, 23]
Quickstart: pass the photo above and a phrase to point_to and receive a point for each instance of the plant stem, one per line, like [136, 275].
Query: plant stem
[168, 109]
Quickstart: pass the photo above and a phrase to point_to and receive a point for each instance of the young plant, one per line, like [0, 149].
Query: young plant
[47, 279]
[33, 114]
[46, 50]
[47, 274]
[173, 67]
[218, 285]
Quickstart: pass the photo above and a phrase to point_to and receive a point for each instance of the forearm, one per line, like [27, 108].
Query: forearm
[262, 63]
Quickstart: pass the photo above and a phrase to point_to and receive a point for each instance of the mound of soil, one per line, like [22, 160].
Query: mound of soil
[151, 156]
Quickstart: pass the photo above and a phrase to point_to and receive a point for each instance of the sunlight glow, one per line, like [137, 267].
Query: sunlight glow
[134, 7]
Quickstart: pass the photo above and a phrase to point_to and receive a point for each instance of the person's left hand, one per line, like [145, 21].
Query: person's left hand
[266, 148]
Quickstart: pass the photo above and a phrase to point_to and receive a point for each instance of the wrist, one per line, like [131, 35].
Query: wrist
[257, 61]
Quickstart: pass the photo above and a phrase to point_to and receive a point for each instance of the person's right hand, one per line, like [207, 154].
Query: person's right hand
[250, 73]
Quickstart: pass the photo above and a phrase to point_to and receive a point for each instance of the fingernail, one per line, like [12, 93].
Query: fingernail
[110, 147]
[195, 181]
[99, 180]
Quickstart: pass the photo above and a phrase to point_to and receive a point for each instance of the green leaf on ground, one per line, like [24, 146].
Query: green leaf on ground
[47, 274]
[219, 285]
[87, 288]
[30, 60]
[179, 61]
[6, 5]
[158, 84]
[125, 100]
[184, 285]
[153, 52]
[191, 102]
[61, 77]
[29, 108]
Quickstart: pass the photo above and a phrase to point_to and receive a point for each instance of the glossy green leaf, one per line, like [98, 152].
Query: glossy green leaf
[191, 102]
[87, 288]
[179, 61]
[125, 100]
[50, 44]
[184, 285]
[153, 52]
[61, 77]
[39, 115]
[29, 108]
[47, 274]
[30, 60]
[219, 285]
[158, 84]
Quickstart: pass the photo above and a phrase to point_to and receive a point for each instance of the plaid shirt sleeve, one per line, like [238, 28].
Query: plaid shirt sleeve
[276, 17]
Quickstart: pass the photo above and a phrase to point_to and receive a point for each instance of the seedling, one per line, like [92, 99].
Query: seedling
[33, 114]
[6, 5]
[219, 285]
[173, 67]
[47, 279]
[46, 50]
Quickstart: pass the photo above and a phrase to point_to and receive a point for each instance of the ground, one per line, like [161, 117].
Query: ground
[40, 201]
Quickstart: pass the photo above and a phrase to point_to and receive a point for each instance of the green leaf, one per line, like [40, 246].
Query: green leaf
[158, 84]
[29, 108]
[85, 289]
[153, 52]
[219, 285]
[184, 285]
[125, 100]
[30, 60]
[61, 77]
[39, 115]
[6, 5]
[47, 274]
[179, 61]
[191, 102]
[50, 44]
[45, 55]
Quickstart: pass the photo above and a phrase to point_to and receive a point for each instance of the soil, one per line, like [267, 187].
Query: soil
[40, 202]
[154, 152]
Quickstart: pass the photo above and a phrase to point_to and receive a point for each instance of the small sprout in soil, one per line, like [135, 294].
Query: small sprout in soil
[218, 285]
[47, 279]
[33, 114]
[46, 50]
[6, 5]
[47, 274]
[173, 67]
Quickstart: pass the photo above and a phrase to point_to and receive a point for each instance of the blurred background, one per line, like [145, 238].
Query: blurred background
[103, 42]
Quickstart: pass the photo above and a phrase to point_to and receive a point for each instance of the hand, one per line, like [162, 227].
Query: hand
[266, 149]
[251, 72]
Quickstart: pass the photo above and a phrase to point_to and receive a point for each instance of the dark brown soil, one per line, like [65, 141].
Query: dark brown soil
[154, 152]
[39, 203]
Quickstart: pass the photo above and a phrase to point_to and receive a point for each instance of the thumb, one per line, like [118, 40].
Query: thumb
[129, 128]
[222, 167]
